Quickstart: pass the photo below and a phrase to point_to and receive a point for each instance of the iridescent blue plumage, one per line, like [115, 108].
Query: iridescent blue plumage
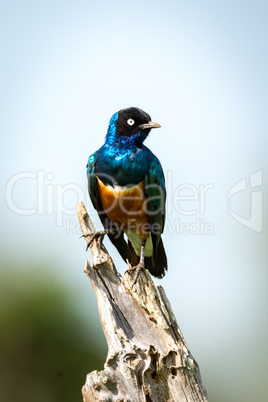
[124, 161]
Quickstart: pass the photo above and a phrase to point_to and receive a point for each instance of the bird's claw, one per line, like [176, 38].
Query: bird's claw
[99, 235]
[138, 268]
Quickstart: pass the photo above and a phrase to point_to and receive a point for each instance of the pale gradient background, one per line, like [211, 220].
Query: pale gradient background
[199, 68]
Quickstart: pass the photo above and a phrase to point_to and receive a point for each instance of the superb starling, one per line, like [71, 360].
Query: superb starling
[127, 187]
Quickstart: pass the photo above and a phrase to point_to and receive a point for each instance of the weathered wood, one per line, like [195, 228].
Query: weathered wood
[148, 359]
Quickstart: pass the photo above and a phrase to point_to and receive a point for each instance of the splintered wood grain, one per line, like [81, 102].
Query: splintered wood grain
[148, 359]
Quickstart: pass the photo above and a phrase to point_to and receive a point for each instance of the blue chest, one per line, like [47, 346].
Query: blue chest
[124, 166]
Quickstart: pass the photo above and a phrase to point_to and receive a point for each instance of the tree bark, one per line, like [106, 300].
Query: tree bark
[148, 359]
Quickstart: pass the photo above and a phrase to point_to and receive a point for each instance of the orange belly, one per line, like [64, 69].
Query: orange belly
[126, 207]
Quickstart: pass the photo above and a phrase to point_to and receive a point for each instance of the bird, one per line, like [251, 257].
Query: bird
[126, 186]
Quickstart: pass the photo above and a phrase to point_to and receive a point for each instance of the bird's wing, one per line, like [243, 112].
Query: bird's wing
[118, 237]
[155, 191]
[92, 182]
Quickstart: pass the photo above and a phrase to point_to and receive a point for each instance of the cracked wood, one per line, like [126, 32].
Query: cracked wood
[148, 358]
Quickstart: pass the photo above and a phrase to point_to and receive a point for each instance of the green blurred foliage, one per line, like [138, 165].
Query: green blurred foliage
[43, 355]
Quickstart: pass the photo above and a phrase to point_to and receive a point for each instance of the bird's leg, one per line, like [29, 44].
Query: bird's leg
[138, 268]
[99, 234]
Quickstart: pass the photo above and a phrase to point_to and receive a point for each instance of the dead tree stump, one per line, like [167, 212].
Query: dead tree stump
[148, 359]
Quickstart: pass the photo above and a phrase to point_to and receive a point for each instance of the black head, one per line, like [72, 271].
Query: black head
[132, 120]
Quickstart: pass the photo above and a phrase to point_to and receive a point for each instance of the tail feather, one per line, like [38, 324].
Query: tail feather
[117, 238]
[159, 268]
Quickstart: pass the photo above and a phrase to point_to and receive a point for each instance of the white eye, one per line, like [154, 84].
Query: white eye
[130, 122]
